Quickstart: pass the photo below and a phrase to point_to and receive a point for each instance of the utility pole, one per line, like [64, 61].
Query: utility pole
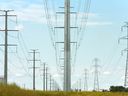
[86, 80]
[67, 57]
[46, 78]
[96, 79]
[34, 67]
[53, 84]
[80, 88]
[6, 44]
[50, 77]
[77, 85]
[126, 68]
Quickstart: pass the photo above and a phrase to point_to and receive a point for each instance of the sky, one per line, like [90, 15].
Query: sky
[100, 40]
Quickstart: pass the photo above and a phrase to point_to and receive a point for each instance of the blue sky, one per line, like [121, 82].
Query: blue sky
[100, 40]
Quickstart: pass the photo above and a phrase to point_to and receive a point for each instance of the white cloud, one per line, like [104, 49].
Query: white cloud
[106, 73]
[35, 13]
[56, 76]
[92, 15]
[19, 75]
[25, 11]
[99, 23]
[15, 4]
[32, 13]
[122, 78]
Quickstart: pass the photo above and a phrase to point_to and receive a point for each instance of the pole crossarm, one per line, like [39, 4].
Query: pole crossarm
[8, 45]
[64, 12]
[9, 15]
[9, 30]
[64, 7]
[63, 42]
[63, 27]
[125, 50]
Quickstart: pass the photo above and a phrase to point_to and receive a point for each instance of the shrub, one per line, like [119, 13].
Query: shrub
[118, 89]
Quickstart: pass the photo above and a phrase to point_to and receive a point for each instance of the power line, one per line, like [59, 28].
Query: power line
[22, 63]
[24, 48]
[83, 22]
[48, 17]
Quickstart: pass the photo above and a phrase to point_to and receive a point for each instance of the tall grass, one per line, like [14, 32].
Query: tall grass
[13, 90]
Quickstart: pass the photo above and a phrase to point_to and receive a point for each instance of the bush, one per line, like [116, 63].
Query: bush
[118, 89]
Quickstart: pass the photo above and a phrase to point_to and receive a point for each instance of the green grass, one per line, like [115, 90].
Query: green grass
[13, 90]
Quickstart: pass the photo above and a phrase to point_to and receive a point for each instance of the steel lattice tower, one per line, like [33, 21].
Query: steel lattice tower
[126, 68]
[96, 77]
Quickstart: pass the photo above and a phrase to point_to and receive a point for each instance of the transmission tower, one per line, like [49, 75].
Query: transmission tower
[6, 43]
[34, 67]
[96, 79]
[86, 80]
[126, 68]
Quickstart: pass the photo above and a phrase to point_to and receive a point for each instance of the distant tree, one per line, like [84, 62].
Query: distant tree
[117, 89]
[104, 90]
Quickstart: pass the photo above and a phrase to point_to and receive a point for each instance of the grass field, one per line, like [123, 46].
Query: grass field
[13, 90]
